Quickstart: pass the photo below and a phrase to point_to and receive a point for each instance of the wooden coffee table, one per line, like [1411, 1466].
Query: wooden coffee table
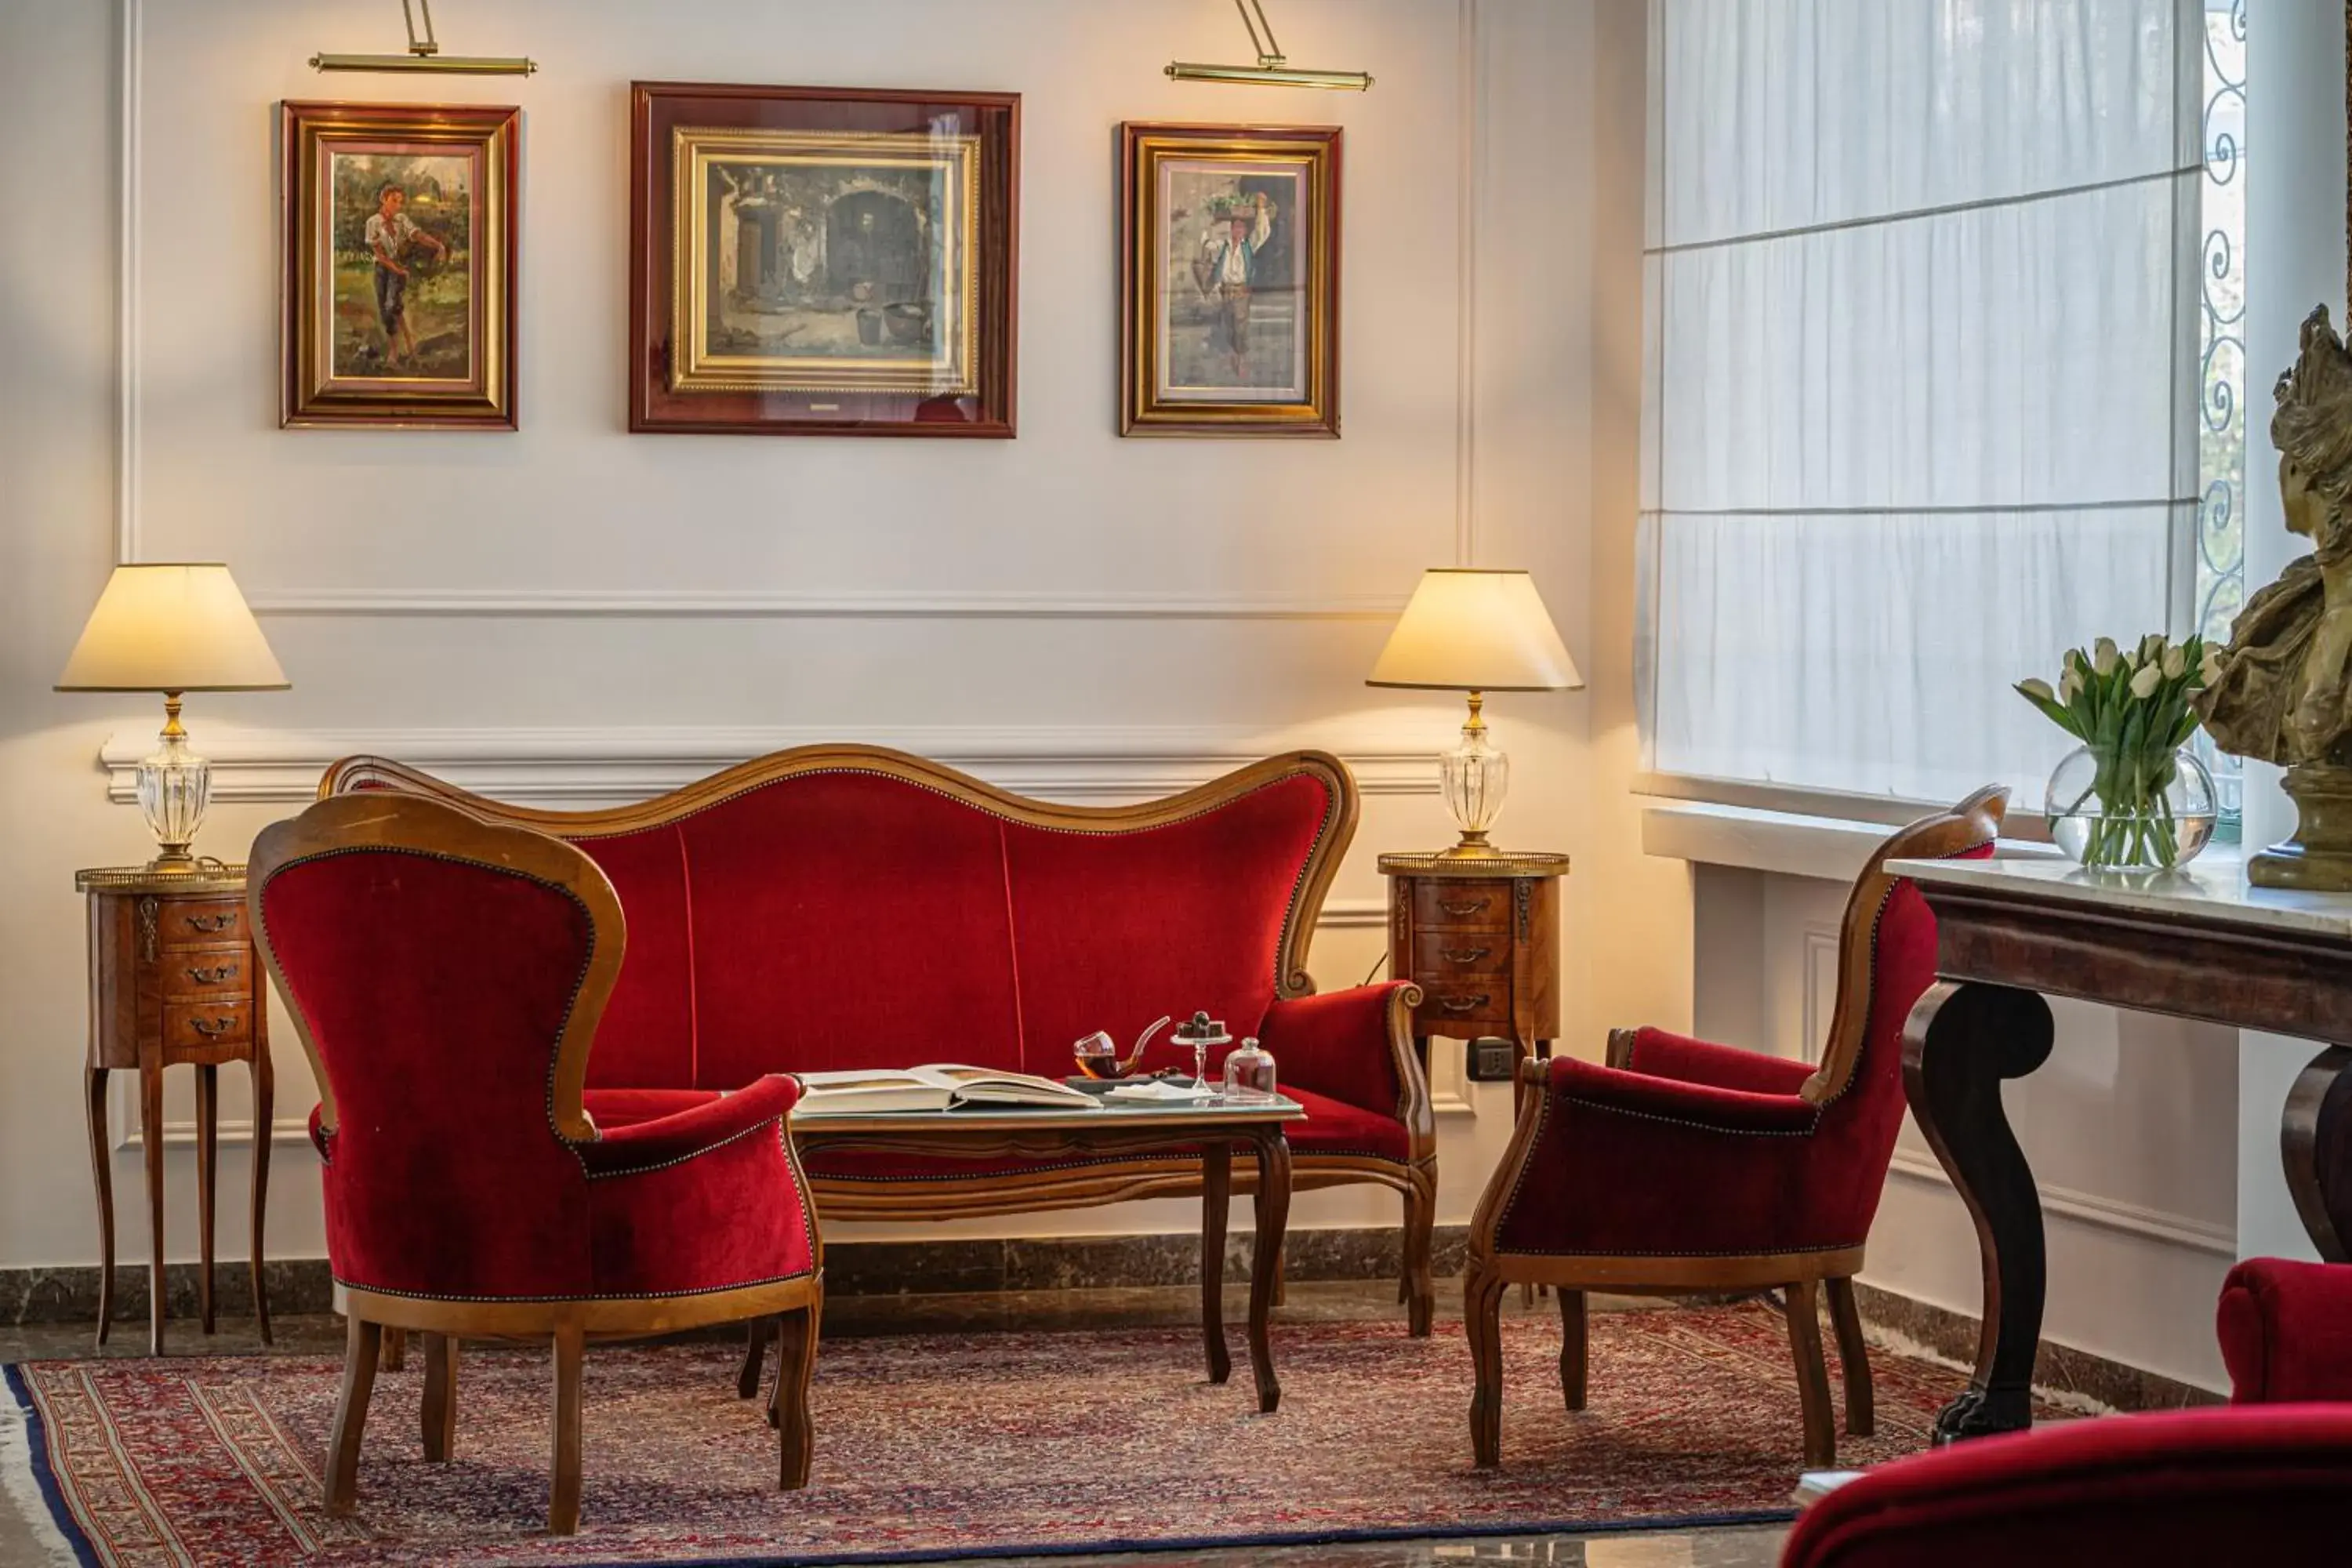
[1212, 1127]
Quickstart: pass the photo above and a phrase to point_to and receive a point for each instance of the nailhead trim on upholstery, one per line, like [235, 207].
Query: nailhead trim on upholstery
[594, 1296]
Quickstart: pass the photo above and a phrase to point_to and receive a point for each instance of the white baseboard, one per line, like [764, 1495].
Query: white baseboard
[2090, 1208]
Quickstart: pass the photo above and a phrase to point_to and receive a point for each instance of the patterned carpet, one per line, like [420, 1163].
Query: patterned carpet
[944, 1445]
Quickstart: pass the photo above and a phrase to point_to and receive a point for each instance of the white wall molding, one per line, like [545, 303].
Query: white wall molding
[1061, 763]
[1470, 69]
[1822, 949]
[2090, 1208]
[132, 21]
[686, 604]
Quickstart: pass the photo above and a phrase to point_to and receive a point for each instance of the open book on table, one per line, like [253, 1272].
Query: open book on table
[939, 1087]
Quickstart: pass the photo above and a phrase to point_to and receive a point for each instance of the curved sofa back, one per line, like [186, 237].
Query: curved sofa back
[845, 907]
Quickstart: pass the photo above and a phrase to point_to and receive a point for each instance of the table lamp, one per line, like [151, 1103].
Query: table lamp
[1475, 630]
[172, 627]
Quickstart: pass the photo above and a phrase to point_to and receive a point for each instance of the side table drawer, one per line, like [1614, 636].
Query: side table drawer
[205, 973]
[200, 922]
[1441, 957]
[1483, 905]
[197, 1029]
[1477, 1000]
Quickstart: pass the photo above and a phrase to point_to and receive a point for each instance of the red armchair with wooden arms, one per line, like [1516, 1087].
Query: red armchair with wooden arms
[2286, 1328]
[447, 977]
[1682, 1166]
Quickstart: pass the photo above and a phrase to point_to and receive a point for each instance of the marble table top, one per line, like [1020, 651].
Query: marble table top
[2211, 889]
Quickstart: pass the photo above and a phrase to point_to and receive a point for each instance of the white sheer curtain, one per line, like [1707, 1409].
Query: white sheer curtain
[1921, 395]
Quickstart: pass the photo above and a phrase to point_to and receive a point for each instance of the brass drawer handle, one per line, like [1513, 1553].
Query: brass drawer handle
[219, 922]
[1463, 954]
[217, 974]
[1462, 1004]
[212, 1028]
[1458, 910]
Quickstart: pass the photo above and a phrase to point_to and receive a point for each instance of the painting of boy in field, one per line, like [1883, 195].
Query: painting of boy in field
[404, 286]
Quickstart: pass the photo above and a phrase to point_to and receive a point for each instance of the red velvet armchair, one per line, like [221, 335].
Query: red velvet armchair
[1682, 1166]
[2182, 1490]
[447, 977]
[2286, 1331]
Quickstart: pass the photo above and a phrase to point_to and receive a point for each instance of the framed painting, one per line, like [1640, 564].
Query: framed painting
[399, 282]
[1229, 245]
[823, 261]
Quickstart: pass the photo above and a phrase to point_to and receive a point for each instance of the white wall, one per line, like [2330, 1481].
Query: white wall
[1068, 611]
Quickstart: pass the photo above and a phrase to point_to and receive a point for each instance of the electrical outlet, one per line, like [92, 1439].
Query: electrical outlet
[1492, 1061]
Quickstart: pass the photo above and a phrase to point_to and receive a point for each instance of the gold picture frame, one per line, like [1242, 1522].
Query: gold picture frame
[398, 287]
[913, 349]
[1229, 290]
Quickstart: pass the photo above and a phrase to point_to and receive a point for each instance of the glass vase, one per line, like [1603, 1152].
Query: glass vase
[2131, 812]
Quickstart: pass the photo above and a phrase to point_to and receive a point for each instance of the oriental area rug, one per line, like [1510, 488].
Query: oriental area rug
[940, 1446]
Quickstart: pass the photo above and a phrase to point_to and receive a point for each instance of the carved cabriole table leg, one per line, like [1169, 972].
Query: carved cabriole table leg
[1963, 1038]
[1265, 1258]
[2316, 1141]
[1216, 1203]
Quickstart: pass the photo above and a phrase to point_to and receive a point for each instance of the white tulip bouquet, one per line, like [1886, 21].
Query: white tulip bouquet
[2130, 709]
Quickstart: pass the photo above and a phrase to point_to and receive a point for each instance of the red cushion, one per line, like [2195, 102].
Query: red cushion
[1337, 1043]
[2286, 1328]
[648, 1035]
[1115, 928]
[2255, 1485]
[612, 1108]
[846, 919]
[1331, 1127]
[1662, 1054]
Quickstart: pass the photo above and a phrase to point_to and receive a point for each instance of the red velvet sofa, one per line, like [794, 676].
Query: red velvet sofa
[850, 906]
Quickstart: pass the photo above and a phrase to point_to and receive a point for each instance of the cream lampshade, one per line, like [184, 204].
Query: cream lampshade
[1475, 630]
[172, 627]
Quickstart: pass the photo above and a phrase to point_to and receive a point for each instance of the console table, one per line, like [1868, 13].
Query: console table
[2200, 944]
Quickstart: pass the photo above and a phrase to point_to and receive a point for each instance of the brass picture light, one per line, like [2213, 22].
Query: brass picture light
[424, 54]
[1272, 70]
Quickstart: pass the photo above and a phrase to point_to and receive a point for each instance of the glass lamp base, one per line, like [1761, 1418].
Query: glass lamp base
[174, 785]
[1474, 777]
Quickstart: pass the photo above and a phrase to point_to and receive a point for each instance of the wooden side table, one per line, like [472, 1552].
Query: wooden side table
[1481, 938]
[173, 979]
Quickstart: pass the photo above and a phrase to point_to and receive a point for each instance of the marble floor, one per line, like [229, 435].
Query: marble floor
[852, 1316]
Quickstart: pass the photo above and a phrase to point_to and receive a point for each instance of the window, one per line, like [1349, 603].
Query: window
[2221, 355]
[1923, 404]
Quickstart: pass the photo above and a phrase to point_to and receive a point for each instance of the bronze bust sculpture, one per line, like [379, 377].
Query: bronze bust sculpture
[2284, 693]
